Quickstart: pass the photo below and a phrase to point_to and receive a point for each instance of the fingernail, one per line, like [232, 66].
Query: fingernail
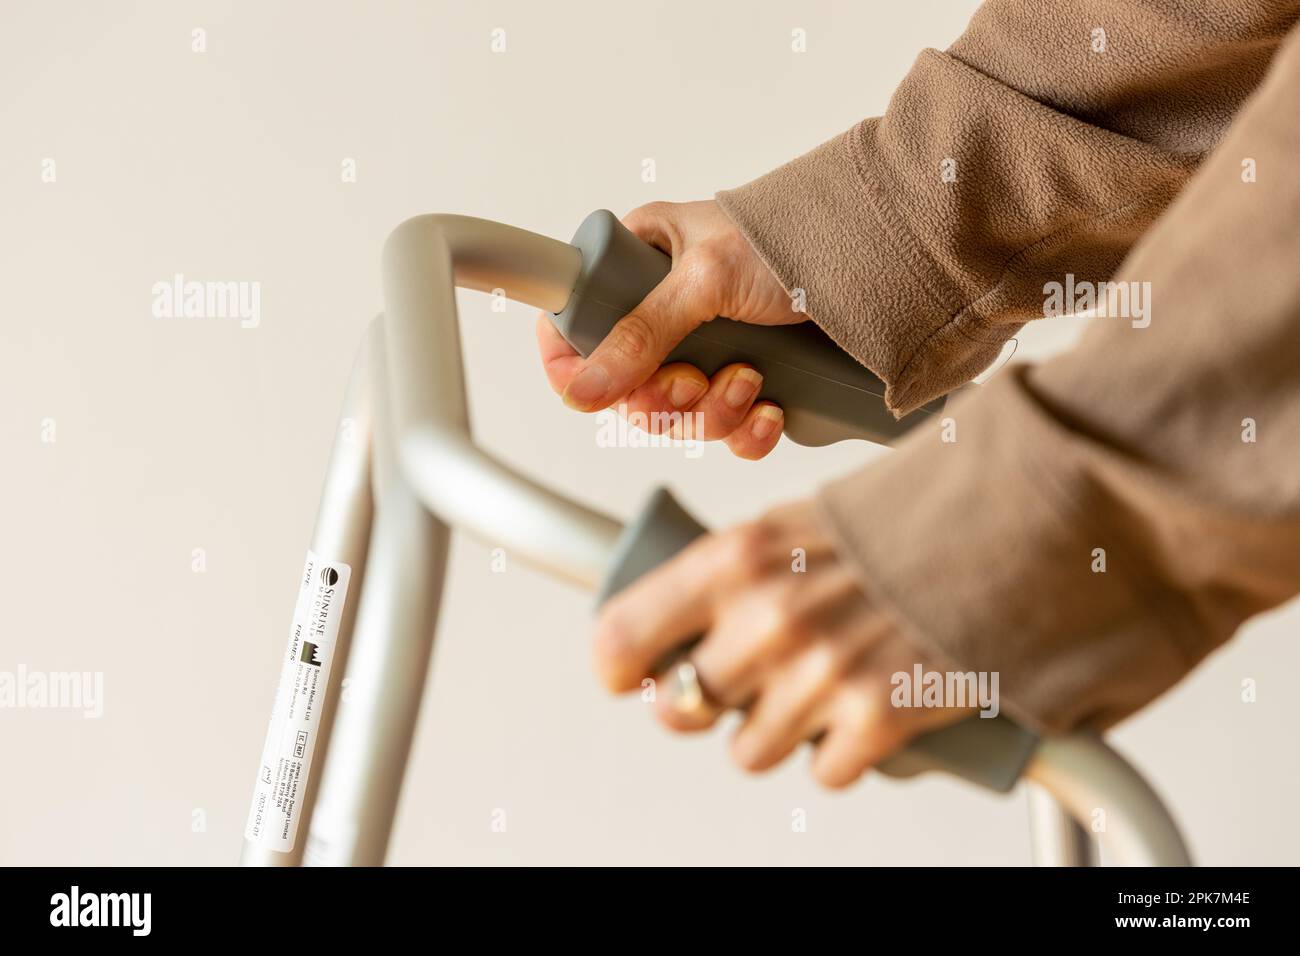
[767, 418]
[588, 388]
[743, 387]
[685, 390]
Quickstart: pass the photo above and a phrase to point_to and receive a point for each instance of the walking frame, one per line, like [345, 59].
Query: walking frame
[405, 471]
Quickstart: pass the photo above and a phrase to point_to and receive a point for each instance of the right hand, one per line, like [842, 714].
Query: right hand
[715, 272]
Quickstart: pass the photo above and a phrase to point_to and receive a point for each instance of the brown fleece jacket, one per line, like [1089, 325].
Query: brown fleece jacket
[1166, 449]
[922, 238]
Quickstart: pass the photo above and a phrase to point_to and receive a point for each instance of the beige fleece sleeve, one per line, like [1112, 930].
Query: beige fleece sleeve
[1034, 147]
[1105, 520]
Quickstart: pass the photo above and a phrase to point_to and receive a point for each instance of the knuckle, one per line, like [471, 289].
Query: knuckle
[658, 209]
[708, 264]
[862, 714]
[634, 337]
[746, 550]
[786, 626]
[822, 664]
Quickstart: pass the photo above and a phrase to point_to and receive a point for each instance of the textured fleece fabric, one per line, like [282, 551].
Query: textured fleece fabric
[922, 239]
[1167, 451]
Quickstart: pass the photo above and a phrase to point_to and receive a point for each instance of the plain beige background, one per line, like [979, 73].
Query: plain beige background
[177, 434]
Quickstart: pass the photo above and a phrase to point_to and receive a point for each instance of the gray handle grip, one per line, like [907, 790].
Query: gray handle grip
[826, 395]
[990, 752]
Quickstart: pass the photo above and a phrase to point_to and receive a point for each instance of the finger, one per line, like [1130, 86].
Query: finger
[671, 604]
[791, 706]
[865, 728]
[685, 704]
[755, 634]
[744, 643]
[654, 223]
[642, 339]
[560, 360]
[861, 732]
[694, 706]
[732, 392]
[758, 434]
[659, 404]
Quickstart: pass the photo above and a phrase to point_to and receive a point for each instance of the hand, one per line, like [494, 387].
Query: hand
[715, 272]
[805, 652]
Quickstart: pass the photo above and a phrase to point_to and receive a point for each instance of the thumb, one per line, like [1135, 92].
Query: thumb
[640, 341]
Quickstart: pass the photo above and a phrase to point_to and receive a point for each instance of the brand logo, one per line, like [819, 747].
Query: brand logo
[75, 908]
[1115, 300]
[962, 689]
[53, 690]
[191, 299]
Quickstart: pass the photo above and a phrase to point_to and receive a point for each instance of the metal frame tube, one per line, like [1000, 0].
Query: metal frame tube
[391, 648]
[1085, 776]
[341, 533]
[1055, 837]
[386, 675]
[424, 259]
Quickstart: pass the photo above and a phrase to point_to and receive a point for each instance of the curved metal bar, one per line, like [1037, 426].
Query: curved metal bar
[1086, 776]
[424, 260]
[392, 642]
[1055, 837]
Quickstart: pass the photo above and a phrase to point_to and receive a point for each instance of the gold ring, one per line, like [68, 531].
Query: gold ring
[688, 693]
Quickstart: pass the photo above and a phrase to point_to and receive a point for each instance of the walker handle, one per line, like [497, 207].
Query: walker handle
[826, 395]
[990, 752]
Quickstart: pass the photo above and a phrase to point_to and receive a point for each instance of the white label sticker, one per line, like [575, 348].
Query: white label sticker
[291, 738]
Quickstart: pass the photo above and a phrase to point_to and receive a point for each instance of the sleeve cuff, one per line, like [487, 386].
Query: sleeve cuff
[982, 549]
[816, 223]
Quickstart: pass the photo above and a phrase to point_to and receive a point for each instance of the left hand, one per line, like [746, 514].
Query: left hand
[804, 651]
[715, 271]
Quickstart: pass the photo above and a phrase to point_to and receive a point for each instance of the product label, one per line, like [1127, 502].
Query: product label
[286, 758]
